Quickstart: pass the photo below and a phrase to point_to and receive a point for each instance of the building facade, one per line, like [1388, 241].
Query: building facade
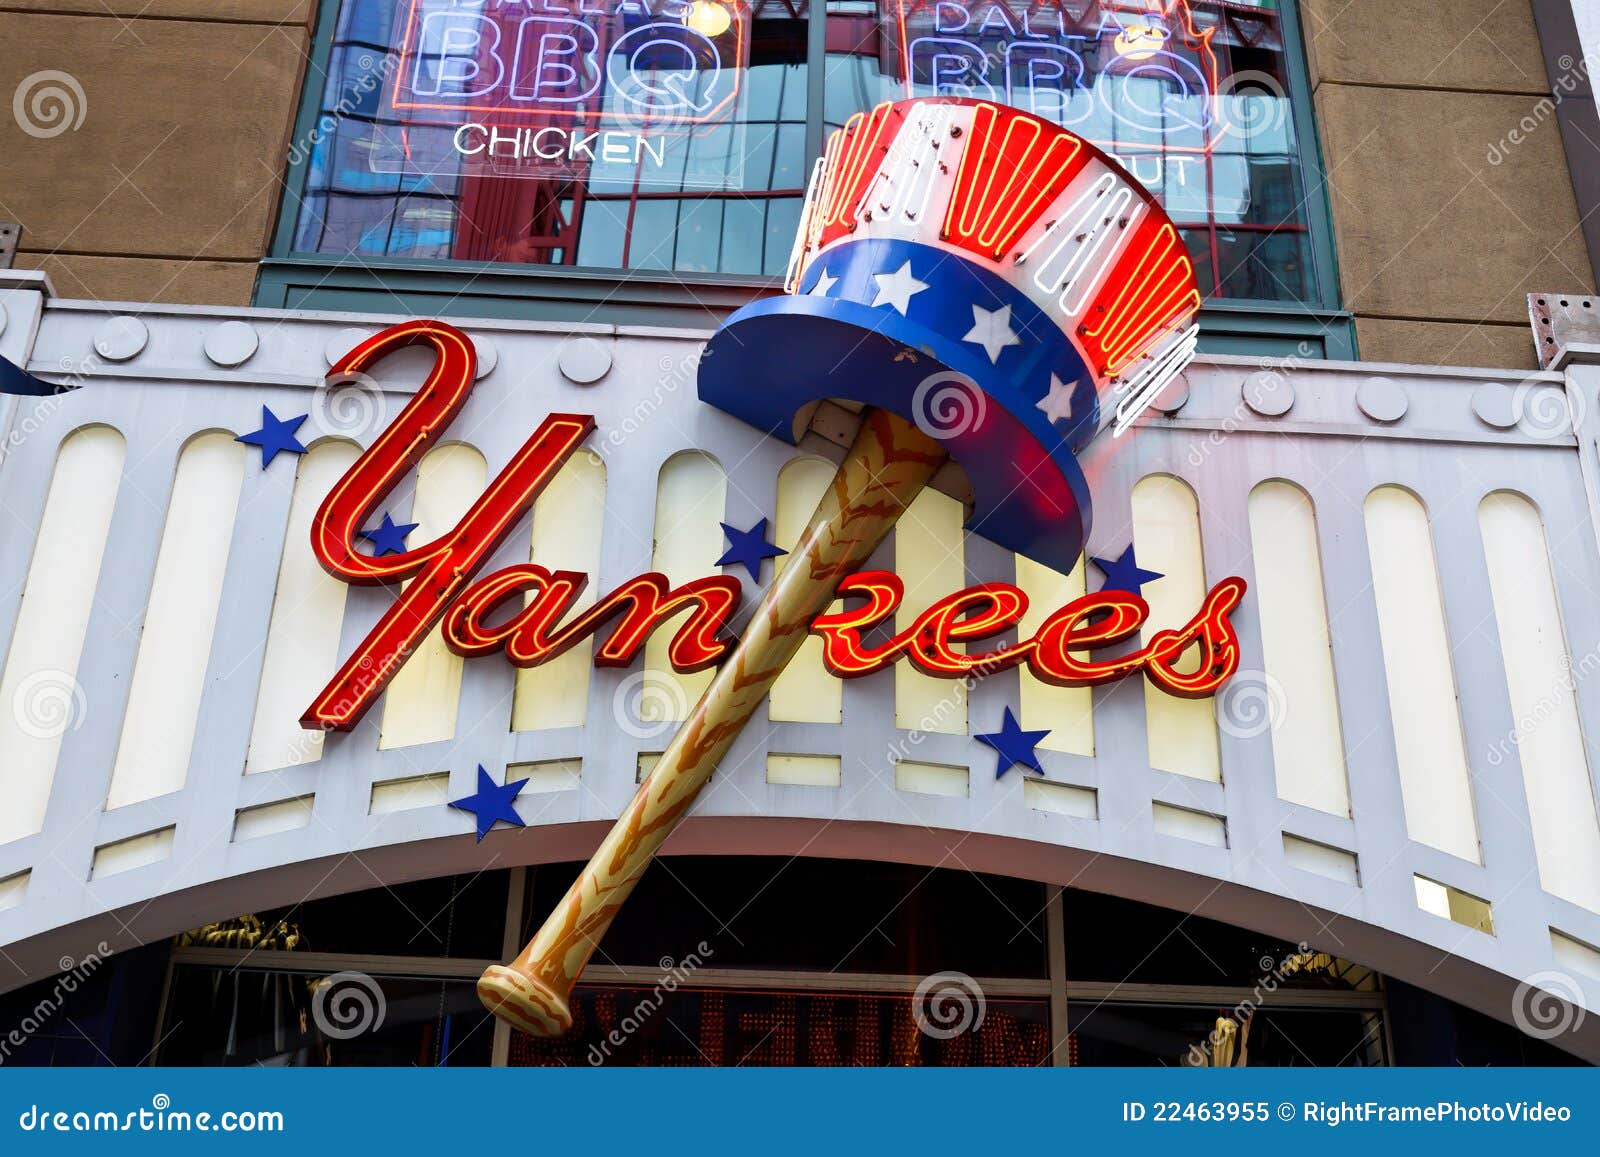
[1377, 844]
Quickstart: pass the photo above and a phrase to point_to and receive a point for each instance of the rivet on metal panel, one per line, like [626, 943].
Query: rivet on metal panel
[1496, 405]
[232, 343]
[1268, 394]
[1382, 399]
[121, 338]
[584, 360]
[1174, 397]
[343, 342]
[488, 356]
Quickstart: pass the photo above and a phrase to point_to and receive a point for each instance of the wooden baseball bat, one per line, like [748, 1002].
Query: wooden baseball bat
[888, 465]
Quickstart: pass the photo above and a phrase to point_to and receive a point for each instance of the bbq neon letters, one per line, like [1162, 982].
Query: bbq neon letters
[524, 611]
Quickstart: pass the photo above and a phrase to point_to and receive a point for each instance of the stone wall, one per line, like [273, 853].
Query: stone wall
[168, 185]
[1450, 189]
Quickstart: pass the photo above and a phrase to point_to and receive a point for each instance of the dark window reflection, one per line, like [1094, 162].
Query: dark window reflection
[1126, 1034]
[459, 916]
[1125, 942]
[694, 1027]
[512, 134]
[223, 1016]
[828, 915]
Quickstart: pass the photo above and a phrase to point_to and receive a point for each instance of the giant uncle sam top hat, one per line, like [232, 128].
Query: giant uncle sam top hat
[995, 279]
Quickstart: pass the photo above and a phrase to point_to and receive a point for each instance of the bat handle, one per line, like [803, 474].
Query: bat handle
[888, 465]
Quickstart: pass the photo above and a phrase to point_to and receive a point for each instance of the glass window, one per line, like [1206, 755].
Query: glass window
[453, 916]
[826, 915]
[693, 1027]
[1193, 96]
[638, 134]
[220, 1017]
[1131, 1034]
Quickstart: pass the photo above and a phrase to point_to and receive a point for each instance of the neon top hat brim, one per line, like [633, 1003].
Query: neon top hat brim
[949, 347]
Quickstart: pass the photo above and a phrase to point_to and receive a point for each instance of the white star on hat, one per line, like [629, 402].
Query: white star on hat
[992, 330]
[824, 285]
[1057, 404]
[897, 288]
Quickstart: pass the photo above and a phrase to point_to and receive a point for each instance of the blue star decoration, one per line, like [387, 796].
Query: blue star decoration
[389, 538]
[1014, 745]
[1125, 574]
[491, 802]
[748, 548]
[275, 435]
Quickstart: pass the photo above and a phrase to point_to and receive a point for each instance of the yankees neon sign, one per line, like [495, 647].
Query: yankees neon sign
[442, 587]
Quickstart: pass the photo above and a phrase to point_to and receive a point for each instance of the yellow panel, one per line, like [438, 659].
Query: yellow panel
[421, 702]
[1066, 711]
[928, 557]
[567, 520]
[1302, 704]
[169, 676]
[691, 495]
[307, 612]
[1429, 747]
[803, 770]
[931, 778]
[1181, 733]
[805, 692]
[1540, 677]
[41, 674]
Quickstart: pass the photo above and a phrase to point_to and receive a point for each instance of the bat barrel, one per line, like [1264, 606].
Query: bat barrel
[889, 463]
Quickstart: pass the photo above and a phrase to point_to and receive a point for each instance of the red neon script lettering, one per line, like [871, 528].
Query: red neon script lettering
[438, 569]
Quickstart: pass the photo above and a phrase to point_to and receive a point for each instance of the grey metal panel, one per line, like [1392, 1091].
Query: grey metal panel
[1215, 443]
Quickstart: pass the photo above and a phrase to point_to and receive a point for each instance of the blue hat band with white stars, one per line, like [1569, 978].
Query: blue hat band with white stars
[912, 328]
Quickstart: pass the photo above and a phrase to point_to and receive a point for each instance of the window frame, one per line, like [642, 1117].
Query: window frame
[286, 279]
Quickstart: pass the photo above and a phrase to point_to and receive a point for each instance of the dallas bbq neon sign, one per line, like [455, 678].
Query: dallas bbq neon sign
[442, 584]
[1142, 64]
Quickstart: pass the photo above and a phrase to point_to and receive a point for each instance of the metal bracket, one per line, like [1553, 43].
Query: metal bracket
[10, 238]
[1560, 320]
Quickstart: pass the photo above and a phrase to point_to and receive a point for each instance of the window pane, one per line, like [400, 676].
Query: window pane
[1127, 1034]
[694, 1027]
[827, 915]
[584, 136]
[219, 1017]
[1195, 104]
